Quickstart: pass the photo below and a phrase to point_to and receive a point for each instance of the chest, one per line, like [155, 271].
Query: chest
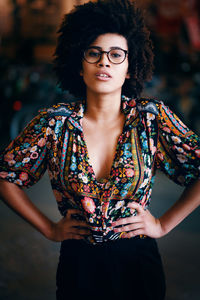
[101, 144]
[123, 156]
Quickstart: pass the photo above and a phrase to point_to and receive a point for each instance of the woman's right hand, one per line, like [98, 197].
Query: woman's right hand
[67, 228]
[70, 228]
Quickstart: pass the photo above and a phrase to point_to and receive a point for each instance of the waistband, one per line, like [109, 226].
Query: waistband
[98, 238]
[133, 243]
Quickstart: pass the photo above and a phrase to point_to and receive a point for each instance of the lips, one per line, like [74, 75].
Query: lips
[103, 75]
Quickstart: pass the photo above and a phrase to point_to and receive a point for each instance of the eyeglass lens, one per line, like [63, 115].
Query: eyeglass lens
[116, 56]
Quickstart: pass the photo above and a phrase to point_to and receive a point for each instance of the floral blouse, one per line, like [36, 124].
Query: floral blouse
[153, 137]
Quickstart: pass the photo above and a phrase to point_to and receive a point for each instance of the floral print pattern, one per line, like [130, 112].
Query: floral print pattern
[153, 137]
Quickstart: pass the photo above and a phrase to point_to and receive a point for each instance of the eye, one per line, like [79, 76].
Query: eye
[116, 53]
[92, 53]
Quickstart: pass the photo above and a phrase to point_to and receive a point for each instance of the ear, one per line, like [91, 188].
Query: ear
[128, 76]
[81, 73]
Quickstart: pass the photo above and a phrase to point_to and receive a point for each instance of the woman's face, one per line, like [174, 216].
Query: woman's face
[104, 77]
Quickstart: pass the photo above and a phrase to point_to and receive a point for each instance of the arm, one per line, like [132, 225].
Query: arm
[144, 223]
[66, 228]
[177, 155]
[189, 200]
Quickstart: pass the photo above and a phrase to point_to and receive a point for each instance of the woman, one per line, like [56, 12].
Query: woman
[102, 153]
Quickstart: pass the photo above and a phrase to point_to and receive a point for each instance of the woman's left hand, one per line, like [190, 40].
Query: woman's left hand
[144, 223]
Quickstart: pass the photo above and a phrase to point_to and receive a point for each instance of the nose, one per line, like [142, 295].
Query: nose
[104, 62]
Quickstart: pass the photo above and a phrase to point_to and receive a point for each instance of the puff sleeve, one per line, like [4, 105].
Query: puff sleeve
[24, 161]
[178, 152]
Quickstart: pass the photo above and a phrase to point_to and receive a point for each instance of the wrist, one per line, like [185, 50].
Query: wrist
[163, 229]
[49, 232]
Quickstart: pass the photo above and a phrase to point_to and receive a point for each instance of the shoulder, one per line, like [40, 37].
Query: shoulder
[168, 121]
[59, 109]
[149, 105]
[59, 114]
[162, 112]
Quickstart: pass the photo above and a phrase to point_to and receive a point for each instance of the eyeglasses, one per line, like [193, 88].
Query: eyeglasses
[116, 55]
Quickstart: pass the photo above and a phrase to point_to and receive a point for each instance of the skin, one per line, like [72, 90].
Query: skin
[66, 228]
[103, 105]
[146, 224]
[103, 123]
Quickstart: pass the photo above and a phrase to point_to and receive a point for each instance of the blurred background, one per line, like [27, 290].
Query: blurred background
[27, 82]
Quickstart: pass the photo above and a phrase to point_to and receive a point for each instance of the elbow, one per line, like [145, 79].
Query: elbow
[6, 186]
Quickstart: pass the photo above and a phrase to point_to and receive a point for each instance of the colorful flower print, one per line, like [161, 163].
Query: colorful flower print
[197, 152]
[88, 205]
[42, 142]
[4, 174]
[153, 138]
[23, 176]
[129, 172]
[176, 139]
[8, 157]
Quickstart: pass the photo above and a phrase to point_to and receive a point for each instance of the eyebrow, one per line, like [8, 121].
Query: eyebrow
[111, 48]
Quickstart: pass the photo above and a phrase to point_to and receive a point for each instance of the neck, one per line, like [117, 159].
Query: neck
[103, 107]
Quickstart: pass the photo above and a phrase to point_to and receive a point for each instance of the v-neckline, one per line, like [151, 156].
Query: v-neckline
[102, 181]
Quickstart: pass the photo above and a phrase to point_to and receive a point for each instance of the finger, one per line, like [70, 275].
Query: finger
[129, 227]
[79, 223]
[72, 211]
[135, 205]
[81, 231]
[125, 221]
[73, 236]
[78, 237]
[75, 231]
[133, 233]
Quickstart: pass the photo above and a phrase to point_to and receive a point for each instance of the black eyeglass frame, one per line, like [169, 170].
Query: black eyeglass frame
[107, 52]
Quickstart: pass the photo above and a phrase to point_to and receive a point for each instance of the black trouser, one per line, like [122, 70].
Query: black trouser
[124, 269]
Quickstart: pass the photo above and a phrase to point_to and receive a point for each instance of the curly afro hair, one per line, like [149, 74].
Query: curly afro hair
[84, 24]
